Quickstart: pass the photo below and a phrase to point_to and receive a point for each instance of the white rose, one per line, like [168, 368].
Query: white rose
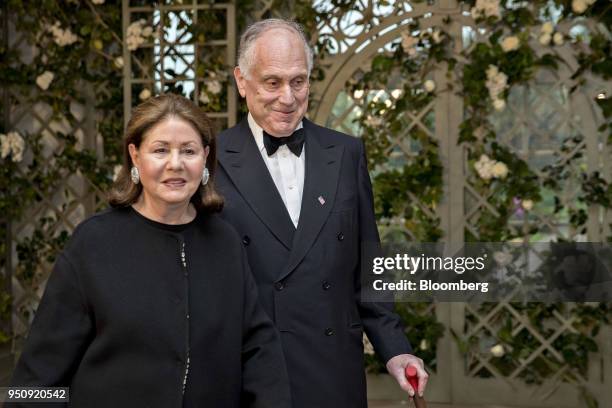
[558, 39]
[492, 71]
[119, 62]
[492, 8]
[502, 258]
[144, 94]
[358, 94]
[373, 121]
[547, 28]
[429, 85]
[579, 6]
[44, 80]
[12, 143]
[476, 13]
[480, 132]
[5, 146]
[496, 83]
[485, 173]
[527, 204]
[499, 170]
[134, 29]
[409, 43]
[204, 98]
[60, 36]
[498, 350]
[437, 36]
[17, 145]
[499, 105]
[133, 42]
[486, 8]
[368, 348]
[424, 345]
[484, 167]
[545, 39]
[116, 171]
[214, 87]
[510, 43]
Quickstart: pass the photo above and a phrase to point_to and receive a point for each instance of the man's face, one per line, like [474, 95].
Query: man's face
[276, 89]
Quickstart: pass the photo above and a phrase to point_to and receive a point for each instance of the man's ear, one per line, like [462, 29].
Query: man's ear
[240, 81]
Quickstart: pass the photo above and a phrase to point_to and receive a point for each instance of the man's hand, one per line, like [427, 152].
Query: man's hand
[396, 366]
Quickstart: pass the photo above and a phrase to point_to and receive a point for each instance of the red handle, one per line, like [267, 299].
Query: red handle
[413, 380]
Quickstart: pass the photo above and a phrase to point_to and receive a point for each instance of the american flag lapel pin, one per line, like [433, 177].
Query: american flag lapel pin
[321, 200]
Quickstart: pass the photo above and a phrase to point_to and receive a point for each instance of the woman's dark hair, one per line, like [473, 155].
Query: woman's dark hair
[145, 116]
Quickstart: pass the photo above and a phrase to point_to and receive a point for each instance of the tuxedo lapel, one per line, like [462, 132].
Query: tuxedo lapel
[323, 161]
[244, 165]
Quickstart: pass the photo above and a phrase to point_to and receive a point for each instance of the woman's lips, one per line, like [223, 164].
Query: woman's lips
[175, 182]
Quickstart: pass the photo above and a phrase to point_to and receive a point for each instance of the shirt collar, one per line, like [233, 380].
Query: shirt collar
[258, 131]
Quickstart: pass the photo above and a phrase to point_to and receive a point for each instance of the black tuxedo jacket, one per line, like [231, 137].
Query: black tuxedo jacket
[308, 277]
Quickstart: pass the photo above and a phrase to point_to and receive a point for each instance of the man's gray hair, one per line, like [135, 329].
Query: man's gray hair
[246, 51]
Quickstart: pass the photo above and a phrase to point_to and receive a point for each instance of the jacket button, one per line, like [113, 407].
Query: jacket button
[340, 237]
[279, 286]
[329, 331]
[246, 240]
[326, 285]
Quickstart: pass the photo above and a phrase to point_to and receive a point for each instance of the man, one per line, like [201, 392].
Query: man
[301, 198]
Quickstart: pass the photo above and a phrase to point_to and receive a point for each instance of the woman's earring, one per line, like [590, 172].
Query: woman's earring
[135, 175]
[205, 176]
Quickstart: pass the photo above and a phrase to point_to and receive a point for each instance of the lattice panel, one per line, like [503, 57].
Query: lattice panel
[60, 206]
[61, 195]
[184, 48]
[544, 124]
[539, 124]
[538, 354]
[401, 148]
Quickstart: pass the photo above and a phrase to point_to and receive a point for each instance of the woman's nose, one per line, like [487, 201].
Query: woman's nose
[174, 160]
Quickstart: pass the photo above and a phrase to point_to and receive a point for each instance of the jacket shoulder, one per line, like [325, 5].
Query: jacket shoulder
[226, 136]
[99, 226]
[331, 136]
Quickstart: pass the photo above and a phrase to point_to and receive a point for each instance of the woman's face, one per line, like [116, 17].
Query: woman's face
[170, 161]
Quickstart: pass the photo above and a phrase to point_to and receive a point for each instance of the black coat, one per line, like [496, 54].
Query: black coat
[121, 313]
[308, 278]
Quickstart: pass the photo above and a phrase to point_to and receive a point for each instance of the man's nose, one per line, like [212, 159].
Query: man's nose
[286, 95]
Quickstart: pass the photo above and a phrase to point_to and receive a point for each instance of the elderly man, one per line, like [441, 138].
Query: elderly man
[300, 197]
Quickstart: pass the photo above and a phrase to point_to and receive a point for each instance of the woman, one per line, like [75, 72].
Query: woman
[152, 304]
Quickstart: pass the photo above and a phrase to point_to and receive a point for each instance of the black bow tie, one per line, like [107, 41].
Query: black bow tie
[295, 142]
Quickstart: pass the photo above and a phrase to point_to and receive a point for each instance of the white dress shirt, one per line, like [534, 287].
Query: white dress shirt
[286, 169]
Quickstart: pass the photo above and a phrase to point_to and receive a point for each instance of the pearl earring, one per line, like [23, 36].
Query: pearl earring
[135, 175]
[205, 176]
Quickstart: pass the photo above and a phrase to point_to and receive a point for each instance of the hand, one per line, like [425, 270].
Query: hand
[396, 366]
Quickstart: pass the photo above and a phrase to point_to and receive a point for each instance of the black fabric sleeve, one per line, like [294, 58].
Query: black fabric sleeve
[265, 383]
[59, 335]
[381, 324]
